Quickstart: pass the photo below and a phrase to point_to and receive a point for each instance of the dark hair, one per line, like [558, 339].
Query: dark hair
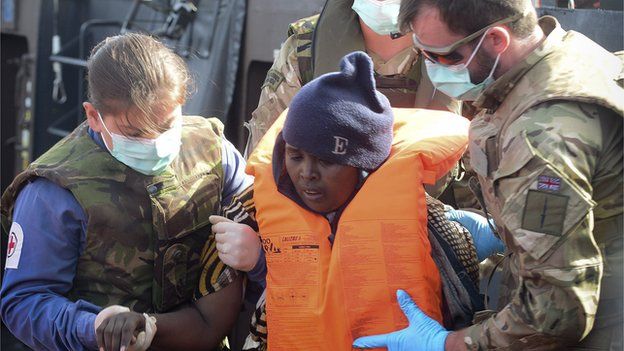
[136, 71]
[468, 16]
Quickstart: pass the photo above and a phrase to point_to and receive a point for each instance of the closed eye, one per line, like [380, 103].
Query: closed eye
[325, 163]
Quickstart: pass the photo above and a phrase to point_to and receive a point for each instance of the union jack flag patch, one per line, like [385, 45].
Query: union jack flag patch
[545, 182]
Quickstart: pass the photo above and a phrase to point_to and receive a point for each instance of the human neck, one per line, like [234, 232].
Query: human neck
[519, 49]
[383, 45]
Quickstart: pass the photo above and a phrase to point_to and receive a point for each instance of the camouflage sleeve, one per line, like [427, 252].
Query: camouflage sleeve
[543, 181]
[281, 84]
[215, 274]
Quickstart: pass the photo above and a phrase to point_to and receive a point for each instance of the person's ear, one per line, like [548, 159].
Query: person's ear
[92, 117]
[498, 39]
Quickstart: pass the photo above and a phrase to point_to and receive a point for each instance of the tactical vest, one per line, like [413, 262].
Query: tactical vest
[576, 70]
[145, 234]
[339, 31]
[321, 297]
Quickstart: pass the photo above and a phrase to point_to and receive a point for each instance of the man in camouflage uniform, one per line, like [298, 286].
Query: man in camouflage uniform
[315, 46]
[547, 148]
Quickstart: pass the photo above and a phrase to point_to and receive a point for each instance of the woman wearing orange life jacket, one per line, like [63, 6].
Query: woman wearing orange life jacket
[341, 215]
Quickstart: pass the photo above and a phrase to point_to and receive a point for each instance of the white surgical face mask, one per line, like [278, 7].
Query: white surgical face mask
[380, 16]
[147, 156]
[455, 82]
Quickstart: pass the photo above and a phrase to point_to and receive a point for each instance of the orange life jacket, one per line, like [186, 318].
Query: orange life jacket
[322, 298]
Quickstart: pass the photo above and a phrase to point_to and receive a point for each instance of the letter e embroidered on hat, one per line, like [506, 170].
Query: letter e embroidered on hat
[340, 148]
[14, 246]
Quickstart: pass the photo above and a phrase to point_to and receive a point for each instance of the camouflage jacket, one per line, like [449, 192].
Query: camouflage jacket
[547, 148]
[145, 235]
[315, 46]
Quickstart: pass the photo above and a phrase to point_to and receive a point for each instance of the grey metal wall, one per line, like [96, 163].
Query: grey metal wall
[217, 33]
[602, 26]
[210, 46]
[266, 26]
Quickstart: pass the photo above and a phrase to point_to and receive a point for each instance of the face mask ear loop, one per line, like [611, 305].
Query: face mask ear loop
[494, 67]
[474, 53]
[107, 131]
[433, 94]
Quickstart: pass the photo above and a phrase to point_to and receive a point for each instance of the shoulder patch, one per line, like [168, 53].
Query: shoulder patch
[273, 79]
[552, 210]
[14, 246]
[304, 25]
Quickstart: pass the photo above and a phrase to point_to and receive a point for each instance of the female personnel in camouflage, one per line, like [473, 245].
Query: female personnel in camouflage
[116, 214]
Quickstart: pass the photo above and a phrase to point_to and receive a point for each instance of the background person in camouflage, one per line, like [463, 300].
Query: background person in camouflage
[315, 46]
[116, 214]
[547, 147]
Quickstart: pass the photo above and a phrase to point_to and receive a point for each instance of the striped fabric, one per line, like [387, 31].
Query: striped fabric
[215, 274]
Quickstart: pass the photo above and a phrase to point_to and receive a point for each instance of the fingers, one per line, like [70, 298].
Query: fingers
[371, 342]
[229, 260]
[128, 332]
[408, 306]
[236, 229]
[150, 332]
[414, 314]
[144, 338]
[109, 332]
[99, 333]
[238, 245]
[228, 253]
[115, 338]
[224, 227]
[117, 332]
[237, 234]
[453, 215]
[223, 245]
[231, 243]
[109, 312]
[136, 343]
[214, 219]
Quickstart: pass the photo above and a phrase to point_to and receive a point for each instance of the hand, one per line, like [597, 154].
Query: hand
[120, 329]
[144, 338]
[238, 245]
[107, 313]
[484, 239]
[422, 334]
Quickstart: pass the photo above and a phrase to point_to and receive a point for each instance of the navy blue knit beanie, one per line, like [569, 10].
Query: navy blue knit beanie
[340, 117]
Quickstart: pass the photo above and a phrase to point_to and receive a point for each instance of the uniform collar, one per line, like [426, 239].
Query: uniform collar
[401, 63]
[496, 93]
[97, 138]
[337, 33]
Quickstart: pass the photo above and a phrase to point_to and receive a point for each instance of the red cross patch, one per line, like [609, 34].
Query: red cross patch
[14, 246]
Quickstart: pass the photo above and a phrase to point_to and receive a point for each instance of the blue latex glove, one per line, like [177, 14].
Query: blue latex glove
[422, 334]
[484, 239]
